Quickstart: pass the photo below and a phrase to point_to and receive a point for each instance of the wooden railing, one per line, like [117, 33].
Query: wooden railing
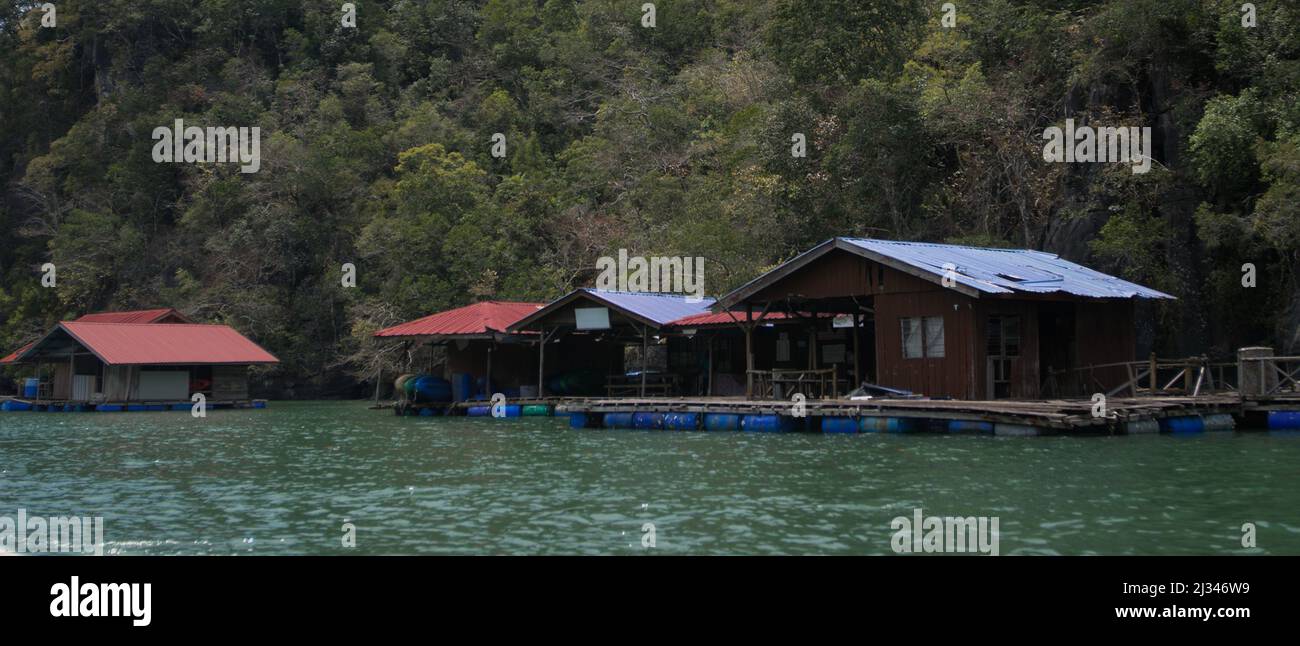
[1155, 376]
[781, 384]
[1250, 376]
[1268, 376]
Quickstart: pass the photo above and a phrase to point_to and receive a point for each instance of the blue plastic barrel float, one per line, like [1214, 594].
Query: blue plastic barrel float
[1219, 422]
[462, 386]
[768, 424]
[12, 405]
[479, 411]
[1016, 430]
[584, 420]
[648, 421]
[969, 426]
[108, 408]
[1141, 426]
[259, 404]
[887, 425]
[682, 421]
[31, 388]
[618, 420]
[427, 388]
[1183, 425]
[840, 425]
[721, 422]
[1284, 420]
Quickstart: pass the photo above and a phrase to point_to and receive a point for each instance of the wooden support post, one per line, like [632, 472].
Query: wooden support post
[379, 379]
[749, 351]
[812, 339]
[1152, 376]
[857, 350]
[541, 360]
[487, 379]
[645, 352]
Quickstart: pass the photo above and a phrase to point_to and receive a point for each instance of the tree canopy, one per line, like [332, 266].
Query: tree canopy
[377, 150]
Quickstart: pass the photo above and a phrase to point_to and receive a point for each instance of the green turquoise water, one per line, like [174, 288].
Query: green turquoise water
[285, 480]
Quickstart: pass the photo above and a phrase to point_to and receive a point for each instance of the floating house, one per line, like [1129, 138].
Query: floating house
[150, 356]
[596, 326]
[949, 320]
[476, 343]
[701, 353]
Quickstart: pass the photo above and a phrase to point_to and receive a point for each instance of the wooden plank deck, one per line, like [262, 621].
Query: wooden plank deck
[1059, 414]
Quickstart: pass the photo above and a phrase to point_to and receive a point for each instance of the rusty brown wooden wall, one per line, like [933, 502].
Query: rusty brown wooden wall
[951, 375]
[838, 273]
[1106, 333]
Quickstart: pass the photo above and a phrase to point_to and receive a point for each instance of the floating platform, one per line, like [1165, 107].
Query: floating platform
[64, 406]
[1000, 417]
[1123, 416]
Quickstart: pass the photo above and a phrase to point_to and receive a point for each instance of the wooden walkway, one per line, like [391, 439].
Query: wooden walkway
[1058, 415]
[1122, 415]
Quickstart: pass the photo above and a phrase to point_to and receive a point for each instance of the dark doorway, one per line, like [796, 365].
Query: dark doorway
[1002, 346]
[1056, 348]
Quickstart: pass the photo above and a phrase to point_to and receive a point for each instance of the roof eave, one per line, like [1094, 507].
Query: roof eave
[522, 324]
[744, 292]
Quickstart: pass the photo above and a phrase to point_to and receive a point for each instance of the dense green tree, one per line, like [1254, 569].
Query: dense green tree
[676, 139]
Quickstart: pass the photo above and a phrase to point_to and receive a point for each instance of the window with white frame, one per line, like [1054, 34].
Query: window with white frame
[922, 337]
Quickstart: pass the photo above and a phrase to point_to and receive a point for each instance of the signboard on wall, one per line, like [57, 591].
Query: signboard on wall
[592, 318]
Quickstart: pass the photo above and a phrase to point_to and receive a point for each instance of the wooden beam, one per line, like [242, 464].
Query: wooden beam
[857, 370]
[749, 350]
[541, 360]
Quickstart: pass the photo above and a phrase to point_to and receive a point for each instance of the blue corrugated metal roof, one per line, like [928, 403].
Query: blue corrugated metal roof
[660, 308]
[1006, 271]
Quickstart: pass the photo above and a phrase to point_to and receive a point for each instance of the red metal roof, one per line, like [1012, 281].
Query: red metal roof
[14, 357]
[166, 343]
[723, 318]
[136, 316]
[477, 319]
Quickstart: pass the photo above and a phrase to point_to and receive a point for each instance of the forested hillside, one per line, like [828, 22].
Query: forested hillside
[667, 140]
